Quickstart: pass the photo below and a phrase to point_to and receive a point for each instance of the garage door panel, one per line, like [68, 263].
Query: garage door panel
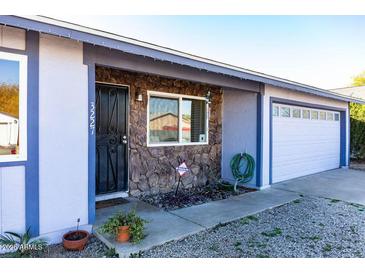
[303, 146]
[306, 146]
[287, 172]
[310, 151]
[305, 159]
[295, 167]
[310, 162]
[300, 168]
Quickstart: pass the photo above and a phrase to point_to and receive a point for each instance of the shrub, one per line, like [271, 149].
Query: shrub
[357, 147]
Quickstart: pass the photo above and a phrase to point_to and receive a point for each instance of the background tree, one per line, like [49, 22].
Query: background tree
[359, 80]
[9, 99]
[357, 114]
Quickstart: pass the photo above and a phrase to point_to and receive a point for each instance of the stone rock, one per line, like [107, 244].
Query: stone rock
[151, 169]
[143, 184]
[195, 169]
[153, 180]
[135, 192]
[205, 158]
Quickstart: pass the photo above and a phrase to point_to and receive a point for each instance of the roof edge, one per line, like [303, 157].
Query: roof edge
[133, 46]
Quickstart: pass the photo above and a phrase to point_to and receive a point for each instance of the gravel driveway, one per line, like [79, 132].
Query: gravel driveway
[307, 227]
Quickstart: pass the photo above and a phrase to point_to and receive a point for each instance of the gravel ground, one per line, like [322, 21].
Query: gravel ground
[94, 249]
[193, 196]
[307, 227]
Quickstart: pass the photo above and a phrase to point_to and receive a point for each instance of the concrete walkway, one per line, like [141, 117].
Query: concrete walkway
[343, 184]
[166, 226]
[236, 207]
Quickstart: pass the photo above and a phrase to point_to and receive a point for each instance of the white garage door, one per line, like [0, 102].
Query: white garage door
[304, 141]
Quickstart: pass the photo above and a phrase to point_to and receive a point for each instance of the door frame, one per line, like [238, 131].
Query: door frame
[344, 135]
[123, 193]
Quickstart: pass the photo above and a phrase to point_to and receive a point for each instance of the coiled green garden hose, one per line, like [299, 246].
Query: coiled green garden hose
[237, 163]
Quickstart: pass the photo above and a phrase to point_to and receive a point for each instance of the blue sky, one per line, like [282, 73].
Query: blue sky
[323, 51]
[9, 72]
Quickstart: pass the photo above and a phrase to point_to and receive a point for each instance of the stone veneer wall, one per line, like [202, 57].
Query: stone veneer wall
[152, 169]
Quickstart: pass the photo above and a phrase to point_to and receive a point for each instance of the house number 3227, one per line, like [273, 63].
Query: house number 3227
[92, 118]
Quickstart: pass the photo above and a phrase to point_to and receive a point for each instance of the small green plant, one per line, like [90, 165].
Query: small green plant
[111, 253]
[358, 206]
[22, 244]
[136, 255]
[237, 244]
[327, 248]
[246, 220]
[218, 226]
[315, 238]
[252, 218]
[334, 201]
[239, 249]
[273, 233]
[262, 255]
[288, 237]
[297, 201]
[261, 245]
[214, 247]
[136, 225]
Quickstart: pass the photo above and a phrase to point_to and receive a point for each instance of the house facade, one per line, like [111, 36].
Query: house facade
[355, 92]
[103, 116]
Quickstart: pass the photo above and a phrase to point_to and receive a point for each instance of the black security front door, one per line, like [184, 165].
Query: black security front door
[111, 139]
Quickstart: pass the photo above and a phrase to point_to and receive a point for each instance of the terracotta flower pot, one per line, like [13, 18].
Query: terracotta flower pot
[123, 234]
[75, 240]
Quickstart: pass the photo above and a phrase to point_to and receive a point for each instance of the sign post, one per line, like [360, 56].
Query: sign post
[181, 169]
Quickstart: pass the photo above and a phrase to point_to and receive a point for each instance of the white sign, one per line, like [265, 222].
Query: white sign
[182, 169]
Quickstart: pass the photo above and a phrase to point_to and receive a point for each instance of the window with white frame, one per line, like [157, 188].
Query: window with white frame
[314, 115]
[306, 114]
[275, 111]
[337, 116]
[13, 129]
[175, 119]
[285, 111]
[322, 115]
[296, 112]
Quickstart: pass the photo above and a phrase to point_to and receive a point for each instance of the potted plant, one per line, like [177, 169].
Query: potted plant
[125, 227]
[76, 240]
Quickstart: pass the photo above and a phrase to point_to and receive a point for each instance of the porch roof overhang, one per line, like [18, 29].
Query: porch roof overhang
[132, 46]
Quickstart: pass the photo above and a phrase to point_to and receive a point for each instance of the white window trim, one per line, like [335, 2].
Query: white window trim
[180, 97]
[22, 59]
